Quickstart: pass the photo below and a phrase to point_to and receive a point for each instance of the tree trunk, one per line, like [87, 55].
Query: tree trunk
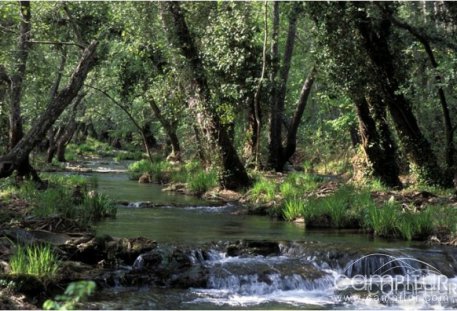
[233, 174]
[5, 83]
[52, 134]
[377, 143]
[414, 143]
[253, 129]
[69, 130]
[17, 158]
[17, 79]
[448, 128]
[170, 130]
[291, 142]
[255, 111]
[275, 144]
[150, 142]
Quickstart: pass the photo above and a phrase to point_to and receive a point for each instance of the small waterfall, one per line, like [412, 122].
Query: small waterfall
[255, 284]
[138, 264]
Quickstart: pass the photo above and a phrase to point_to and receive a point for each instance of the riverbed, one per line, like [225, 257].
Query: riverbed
[311, 269]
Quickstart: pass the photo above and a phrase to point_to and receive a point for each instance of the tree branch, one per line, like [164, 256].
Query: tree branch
[56, 43]
[419, 32]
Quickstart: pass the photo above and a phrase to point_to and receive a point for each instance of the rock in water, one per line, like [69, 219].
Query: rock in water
[145, 179]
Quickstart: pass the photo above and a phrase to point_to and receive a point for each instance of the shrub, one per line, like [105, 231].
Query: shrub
[37, 260]
[136, 169]
[202, 181]
[74, 294]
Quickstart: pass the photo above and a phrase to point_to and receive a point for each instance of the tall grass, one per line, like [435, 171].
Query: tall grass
[202, 181]
[264, 190]
[293, 209]
[383, 220]
[37, 260]
[53, 201]
[288, 190]
[96, 206]
[336, 207]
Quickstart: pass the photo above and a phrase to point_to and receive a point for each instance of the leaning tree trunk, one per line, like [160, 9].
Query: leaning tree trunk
[69, 130]
[291, 140]
[413, 141]
[64, 140]
[170, 130]
[233, 174]
[51, 136]
[150, 142]
[17, 158]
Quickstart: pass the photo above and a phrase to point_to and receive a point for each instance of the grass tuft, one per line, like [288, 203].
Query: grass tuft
[264, 190]
[36, 260]
[202, 181]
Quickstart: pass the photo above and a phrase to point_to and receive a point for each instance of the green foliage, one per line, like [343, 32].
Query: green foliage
[288, 190]
[53, 201]
[305, 182]
[67, 180]
[202, 181]
[293, 209]
[75, 293]
[128, 155]
[58, 199]
[36, 260]
[96, 206]
[374, 184]
[337, 205]
[383, 220]
[159, 171]
[264, 190]
[91, 147]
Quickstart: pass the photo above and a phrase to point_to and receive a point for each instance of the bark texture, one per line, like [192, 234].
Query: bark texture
[232, 174]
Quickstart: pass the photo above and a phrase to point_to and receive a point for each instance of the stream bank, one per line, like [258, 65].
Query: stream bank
[184, 254]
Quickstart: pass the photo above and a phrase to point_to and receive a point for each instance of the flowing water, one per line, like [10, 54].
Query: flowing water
[311, 269]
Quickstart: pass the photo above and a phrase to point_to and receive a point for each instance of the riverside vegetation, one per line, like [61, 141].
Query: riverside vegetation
[336, 115]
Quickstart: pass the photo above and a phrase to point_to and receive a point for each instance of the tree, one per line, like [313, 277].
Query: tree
[17, 158]
[279, 154]
[232, 172]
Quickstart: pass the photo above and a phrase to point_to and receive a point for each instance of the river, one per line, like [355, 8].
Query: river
[312, 269]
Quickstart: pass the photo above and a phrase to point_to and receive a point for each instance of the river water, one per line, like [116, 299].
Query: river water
[313, 269]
